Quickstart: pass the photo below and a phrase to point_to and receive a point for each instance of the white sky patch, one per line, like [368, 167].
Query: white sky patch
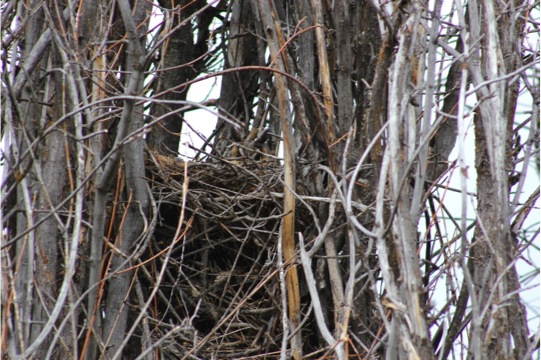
[199, 123]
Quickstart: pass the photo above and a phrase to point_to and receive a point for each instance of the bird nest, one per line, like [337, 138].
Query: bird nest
[220, 294]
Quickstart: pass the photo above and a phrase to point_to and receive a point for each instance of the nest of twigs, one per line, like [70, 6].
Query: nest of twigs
[220, 296]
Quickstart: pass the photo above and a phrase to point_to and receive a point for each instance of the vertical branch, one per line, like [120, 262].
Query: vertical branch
[241, 51]
[71, 245]
[116, 321]
[306, 262]
[272, 31]
[416, 341]
[134, 85]
[493, 335]
[23, 118]
[345, 35]
[324, 71]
